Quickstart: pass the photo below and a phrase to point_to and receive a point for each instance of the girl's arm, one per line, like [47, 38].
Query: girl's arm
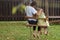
[39, 11]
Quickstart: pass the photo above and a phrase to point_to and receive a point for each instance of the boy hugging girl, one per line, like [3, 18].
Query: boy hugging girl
[36, 17]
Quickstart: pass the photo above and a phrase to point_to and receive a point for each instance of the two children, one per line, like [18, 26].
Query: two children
[42, 20]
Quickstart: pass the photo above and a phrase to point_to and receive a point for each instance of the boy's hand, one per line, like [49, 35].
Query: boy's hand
[46, 18]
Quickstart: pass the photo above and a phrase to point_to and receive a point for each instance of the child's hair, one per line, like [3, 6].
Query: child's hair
[33, 3]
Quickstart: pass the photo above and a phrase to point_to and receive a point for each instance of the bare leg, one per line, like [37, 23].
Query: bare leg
[45, 31]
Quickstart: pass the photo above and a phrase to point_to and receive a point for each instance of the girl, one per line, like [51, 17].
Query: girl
[42, 21]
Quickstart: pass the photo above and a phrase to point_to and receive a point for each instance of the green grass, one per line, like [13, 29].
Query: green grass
[16, 30]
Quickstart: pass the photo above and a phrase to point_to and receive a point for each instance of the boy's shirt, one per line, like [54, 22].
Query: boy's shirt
[42, 22]
[30, 11]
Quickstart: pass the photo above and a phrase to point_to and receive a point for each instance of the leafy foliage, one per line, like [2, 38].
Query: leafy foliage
[21, 8]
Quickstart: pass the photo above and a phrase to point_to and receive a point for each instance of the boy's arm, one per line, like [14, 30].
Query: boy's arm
[35, 16]
[29, 17]
[46, 18]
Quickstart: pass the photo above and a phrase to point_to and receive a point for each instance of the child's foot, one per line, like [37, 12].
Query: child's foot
[34, 34]
[46, 32]
[38, 35]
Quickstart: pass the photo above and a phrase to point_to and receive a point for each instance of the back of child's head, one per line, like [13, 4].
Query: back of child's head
[33, 3]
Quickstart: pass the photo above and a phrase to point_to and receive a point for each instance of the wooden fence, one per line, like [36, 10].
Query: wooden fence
[6, 11]
[51, 7]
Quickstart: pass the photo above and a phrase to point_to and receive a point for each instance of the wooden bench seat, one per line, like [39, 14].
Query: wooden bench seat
[31, 25]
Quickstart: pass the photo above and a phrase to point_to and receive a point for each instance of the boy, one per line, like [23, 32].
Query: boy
[31, 14]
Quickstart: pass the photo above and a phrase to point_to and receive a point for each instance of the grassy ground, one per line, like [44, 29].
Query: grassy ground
[18, 31]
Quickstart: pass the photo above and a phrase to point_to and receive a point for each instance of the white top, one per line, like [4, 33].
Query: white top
[30, 11]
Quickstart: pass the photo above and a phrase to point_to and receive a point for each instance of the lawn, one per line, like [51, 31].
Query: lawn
[16, 30]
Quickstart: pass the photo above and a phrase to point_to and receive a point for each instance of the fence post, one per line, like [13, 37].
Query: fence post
[46, 8]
